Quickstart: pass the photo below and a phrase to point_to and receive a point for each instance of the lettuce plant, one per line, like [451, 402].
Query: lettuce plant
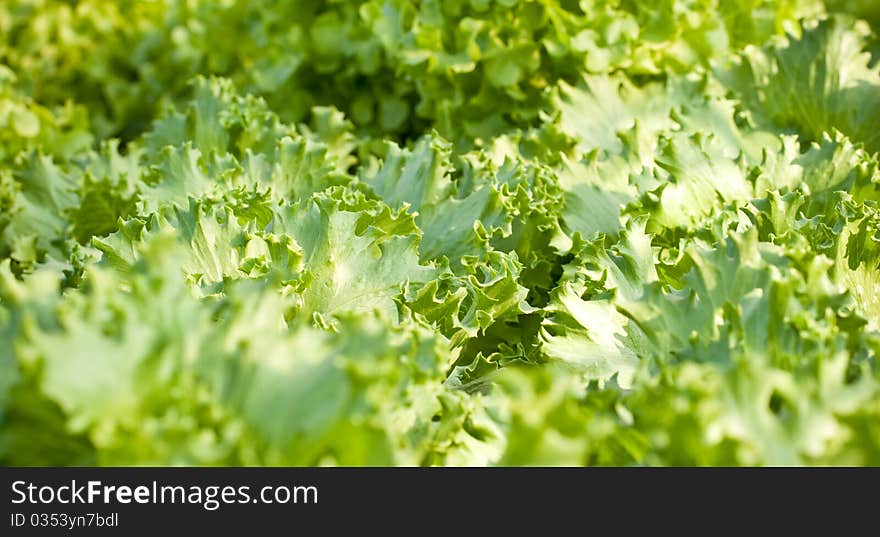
[475, 232]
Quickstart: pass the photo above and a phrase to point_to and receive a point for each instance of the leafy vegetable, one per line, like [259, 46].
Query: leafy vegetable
[474, 232]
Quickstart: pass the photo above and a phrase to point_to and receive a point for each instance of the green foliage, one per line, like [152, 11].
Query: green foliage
[422, 232]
